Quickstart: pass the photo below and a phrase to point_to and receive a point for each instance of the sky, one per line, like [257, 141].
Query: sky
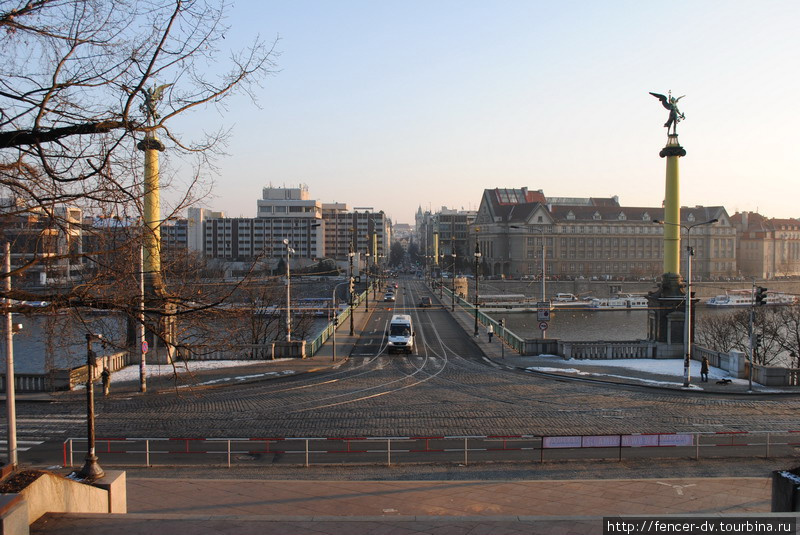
[399, 105]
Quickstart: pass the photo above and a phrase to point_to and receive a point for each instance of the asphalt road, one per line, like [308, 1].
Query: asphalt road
[445, 388]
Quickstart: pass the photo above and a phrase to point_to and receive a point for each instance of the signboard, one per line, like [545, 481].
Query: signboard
[543, 311]
[145, 347]
[675, 440]
[543, 325]
[639, 441]
[601, 441]
[561, 442]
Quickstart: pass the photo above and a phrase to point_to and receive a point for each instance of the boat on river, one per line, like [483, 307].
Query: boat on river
[621, 302]
[744, 298]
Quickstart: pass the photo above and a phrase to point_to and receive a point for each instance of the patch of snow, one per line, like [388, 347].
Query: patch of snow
[245, 377]
[791, 476]
[131, 373]
[593, 374]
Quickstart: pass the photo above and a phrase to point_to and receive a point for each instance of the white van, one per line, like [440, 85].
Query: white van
[400, 334]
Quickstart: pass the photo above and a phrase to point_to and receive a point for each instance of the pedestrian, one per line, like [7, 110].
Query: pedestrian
[704, 370]
[490, 332]
[106, 378]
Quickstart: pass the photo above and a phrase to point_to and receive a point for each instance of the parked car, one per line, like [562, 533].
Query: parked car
[425, 302]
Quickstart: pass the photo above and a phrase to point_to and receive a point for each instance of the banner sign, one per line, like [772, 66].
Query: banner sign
[561, 442]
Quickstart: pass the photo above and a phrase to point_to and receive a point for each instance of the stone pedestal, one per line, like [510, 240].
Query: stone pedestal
[666, 312]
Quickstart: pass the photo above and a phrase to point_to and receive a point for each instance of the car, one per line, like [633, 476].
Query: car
[388, 296]
[425, 302]
[396, 285]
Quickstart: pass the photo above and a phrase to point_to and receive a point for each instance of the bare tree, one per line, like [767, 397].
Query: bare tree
[787, 325]
[774, 326]
[78, 80]
[719, 332]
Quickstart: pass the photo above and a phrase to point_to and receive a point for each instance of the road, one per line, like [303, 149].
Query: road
[446, 387]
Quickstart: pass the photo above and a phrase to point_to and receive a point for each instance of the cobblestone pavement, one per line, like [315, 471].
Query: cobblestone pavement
[449, 387]
[455, 384]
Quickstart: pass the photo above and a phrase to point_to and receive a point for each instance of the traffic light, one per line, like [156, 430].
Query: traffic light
[761, 296]
[757, 340]
[352, 284]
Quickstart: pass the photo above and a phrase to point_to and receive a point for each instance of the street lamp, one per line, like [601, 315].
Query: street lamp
[351, 254]
[11, 407]
[366, 271]
[288, 293]
[91, 469]
[687, 325]
[477, 259]
[544, 270]
[453, 276]
[335, 318]
[441, 276]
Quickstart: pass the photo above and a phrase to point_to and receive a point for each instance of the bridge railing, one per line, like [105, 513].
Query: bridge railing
[462, 449]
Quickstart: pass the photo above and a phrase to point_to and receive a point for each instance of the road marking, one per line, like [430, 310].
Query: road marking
[678, 488]
[23, 445]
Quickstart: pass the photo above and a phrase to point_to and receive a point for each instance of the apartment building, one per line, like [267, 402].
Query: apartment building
[767, 247]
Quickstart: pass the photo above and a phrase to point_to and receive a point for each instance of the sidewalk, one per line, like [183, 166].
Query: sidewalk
[177, 506]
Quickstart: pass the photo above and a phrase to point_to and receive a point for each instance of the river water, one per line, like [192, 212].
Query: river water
[582, 325]
[576, 324]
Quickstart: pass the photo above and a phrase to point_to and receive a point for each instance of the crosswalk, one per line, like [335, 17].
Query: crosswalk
[32, 431]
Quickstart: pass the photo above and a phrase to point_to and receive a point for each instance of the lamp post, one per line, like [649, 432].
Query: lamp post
[377, 282]
[687, 325]
[544, 270]
[477, 304]
[441, 276]
[453, 277]
[351, 254]
[366, 293]
[288, 293]
[91, 469]
[335, 318]
[11, 328]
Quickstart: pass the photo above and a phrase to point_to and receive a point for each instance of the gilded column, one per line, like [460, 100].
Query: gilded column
[151, 215]
[672, 206]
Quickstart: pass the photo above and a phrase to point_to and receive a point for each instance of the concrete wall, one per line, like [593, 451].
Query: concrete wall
[52, 493]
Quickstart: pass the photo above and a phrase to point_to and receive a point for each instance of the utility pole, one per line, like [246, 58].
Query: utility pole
[10, 386]
[351, 254]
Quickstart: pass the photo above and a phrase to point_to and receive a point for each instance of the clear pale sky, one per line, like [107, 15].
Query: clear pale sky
[400, 104]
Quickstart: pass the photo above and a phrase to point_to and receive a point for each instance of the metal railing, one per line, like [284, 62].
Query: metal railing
[464, 449]
[315, 344]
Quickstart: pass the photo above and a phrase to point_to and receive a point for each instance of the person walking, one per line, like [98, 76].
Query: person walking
[704, 370]
[106, 378]
[490, 332]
